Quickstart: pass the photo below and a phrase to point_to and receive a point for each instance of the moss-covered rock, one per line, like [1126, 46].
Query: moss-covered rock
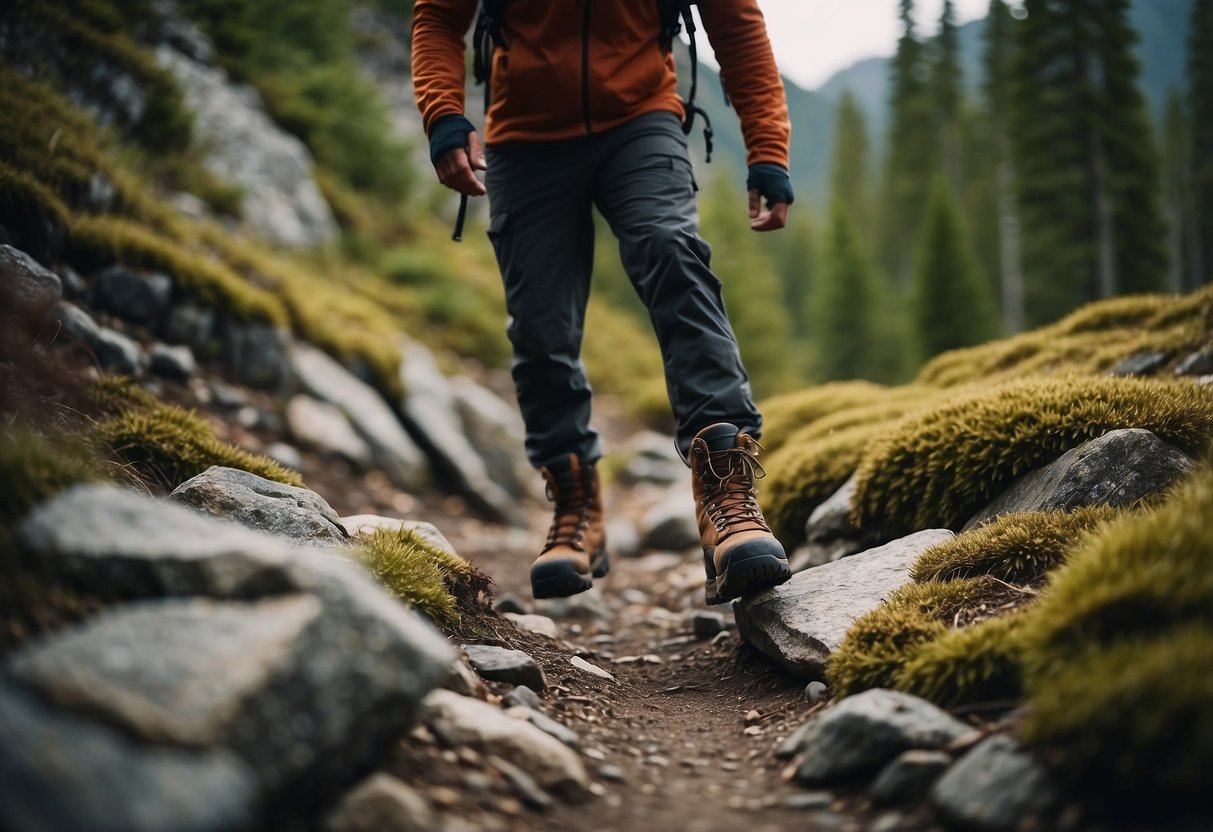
[786, 414]
[934, 470]
[979, 663]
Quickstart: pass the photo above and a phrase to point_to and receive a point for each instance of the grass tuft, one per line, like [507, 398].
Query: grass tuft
[979, 663]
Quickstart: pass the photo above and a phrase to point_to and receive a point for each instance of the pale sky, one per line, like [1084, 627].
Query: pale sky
[813, 39]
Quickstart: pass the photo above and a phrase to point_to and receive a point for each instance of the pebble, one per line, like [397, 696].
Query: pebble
[816, 692]
[888, 822]
[592, 669]
[538, 624]
[501, 665]
[909, 776]
[613, 774]
[808, 800]
[707, 624]
[523, 784]
[510, 604]
[657, 760]
[523, 695]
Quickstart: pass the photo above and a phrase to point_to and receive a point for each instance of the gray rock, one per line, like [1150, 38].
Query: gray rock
[864, 732]
[118, 353]
[286, 455]
[1199, 363]
[60, 771]
[499, 664]
[909, 777]
[394, 452]
[808, 800]
[816, 692]
[511, 603]
[256, 354]
[75, 287]
[612, 774]
[463, 680]
[325, 428]
[706, 624]
[523, 784]
[78, 324]
[459, 720]
[546, 724]
[670, 524]
[1117, 469]
[132, 296]
[35, 285]
[189, 322]
[1141, 364]
[494, 428]
[995, 787]
[241, 144]
[364, 524]
[173, 362]
[523, 696]
[799, 623]
[381, 803]
[623, 537]
[253, 501]
[432, 416]
[830, 534]
[585, 606]
[539, 624]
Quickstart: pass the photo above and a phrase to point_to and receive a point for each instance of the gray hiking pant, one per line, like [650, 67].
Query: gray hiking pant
[639, 176]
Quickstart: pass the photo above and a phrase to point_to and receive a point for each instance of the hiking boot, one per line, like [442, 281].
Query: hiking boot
[740, 555]
[575, 552]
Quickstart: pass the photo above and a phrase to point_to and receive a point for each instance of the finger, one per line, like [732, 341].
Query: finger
[476, 151]
[755, 205]
[773, 219]
[455, 172]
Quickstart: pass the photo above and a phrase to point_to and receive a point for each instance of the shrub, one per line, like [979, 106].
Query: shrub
[1018, 548]
[979, 663]
[936, 469]
[434, 581]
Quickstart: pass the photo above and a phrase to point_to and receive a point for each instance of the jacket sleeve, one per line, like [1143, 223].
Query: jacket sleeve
[439, 62]
[738, 34]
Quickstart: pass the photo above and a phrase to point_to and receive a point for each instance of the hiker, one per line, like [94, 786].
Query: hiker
[583, 110]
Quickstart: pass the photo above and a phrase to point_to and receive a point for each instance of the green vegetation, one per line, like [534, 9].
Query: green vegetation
[33, 469]
[784, 414]
[978, 663]
[936, 469]
[423, 576]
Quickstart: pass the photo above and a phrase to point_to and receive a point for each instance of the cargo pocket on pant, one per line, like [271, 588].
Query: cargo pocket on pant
[677, 166]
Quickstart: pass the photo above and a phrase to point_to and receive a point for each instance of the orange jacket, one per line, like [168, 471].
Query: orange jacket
[573, 67]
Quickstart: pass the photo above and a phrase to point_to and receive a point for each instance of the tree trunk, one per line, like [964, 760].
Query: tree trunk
[1010, 255]
[1105, 232]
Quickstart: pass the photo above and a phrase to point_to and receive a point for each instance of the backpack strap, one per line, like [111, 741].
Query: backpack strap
[676, 17]
[487, 36]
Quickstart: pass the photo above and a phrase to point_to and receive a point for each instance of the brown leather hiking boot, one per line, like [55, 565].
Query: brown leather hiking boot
[740, 554]
[575, 552]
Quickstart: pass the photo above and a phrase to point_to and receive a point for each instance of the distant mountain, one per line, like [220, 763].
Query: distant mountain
[1162, 25]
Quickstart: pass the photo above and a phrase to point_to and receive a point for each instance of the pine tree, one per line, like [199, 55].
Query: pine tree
[912, 152]
[1177, 165]
[997, 60]
[950, 302]
[947, 92]
[1085, 157]
[1200, 105]
[849, 175]
[845, 304]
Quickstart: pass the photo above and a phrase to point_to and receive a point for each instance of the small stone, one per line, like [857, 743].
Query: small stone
[909, 777]
[707, 624]
[752, 716]
[586, 606]
[176, 363]
[510, 603]
[539, 624]
[624, 538]
[464, 681]
[285, 455]
[592, 669]
[524, 696]
[78, 324]
[670, 525]
[816, 692]
[1199, 363]
[117, 353]
[996, 787]
[613, 774]
[381, 803]
[808, 800]
[138, 298]
[1143, 363]
[35, 285]
[189, 322]
[499, 664]
[657, 760]
[523, 784]
[546, 724]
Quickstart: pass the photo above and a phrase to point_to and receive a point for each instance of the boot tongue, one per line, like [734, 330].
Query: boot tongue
[721, 437]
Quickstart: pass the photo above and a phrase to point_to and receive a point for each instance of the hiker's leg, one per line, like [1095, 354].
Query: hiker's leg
[646, 191]
[543, 233]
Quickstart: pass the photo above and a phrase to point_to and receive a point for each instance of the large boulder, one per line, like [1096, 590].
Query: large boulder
[253, 501]
[394, 451]
[1117, 469]
[241, 144]
[33, 284]
[430, 411]
[801, 622]
[63, 771]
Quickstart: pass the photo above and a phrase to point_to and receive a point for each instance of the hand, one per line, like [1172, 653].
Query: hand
[772, 219]
[455, 171]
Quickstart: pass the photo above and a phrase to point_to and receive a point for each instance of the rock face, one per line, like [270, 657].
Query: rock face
[243, 145]
[799, 623]
[430, 411]
[394, 452]
[34, 285]
[58, 771]
[1117, 469]
[865, 731]
[994, 788]
[463, 721]
[253, 501]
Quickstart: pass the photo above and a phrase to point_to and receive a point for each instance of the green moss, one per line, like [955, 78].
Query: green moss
[786, 414]
[23, 196]
[934, 470]
[100, 240]
[880, 643]
[164, 444]
[1132, 716]
[434, 581]
[979, 663]
[1018, 548]
[33, 470]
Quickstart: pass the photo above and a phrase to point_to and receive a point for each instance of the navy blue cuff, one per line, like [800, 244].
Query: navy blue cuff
[448, 133]
[772, 181]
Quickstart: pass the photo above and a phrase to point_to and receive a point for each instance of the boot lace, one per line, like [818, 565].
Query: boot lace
[574, 506]
[730, 499]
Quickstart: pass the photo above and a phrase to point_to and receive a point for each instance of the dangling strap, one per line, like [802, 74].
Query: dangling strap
[690, 108]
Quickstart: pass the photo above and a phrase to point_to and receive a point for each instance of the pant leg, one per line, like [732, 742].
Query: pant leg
[646, 191]
[542, 231]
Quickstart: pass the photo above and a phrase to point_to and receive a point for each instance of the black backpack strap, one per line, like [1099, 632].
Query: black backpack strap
[690, 108]
[486, 36]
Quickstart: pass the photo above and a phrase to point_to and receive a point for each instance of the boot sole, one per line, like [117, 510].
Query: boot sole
[560, 578]
[753, 567]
